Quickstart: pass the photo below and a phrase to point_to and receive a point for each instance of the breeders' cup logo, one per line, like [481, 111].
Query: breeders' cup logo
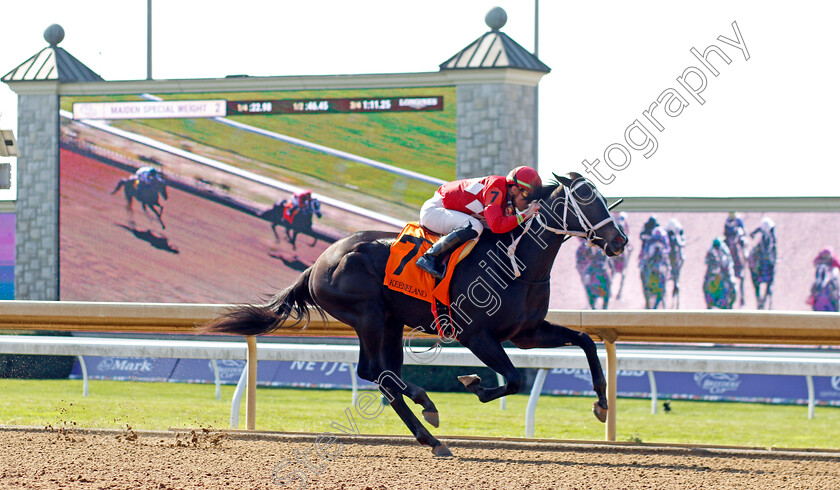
[717, 383]
[228, 368]
[835, 383]
[106, 364]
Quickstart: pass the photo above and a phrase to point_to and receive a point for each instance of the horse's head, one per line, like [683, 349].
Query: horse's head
[573, 206]
[315, 205]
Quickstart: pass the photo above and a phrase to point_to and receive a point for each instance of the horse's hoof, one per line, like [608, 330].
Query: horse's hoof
[441, 451]
[469, 379]
[432, 418]
[600, 412]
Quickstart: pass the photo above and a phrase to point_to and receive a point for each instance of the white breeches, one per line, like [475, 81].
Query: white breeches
[441, 220]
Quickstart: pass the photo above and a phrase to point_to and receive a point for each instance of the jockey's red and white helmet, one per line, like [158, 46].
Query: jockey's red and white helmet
[525, 177]
[304, 194]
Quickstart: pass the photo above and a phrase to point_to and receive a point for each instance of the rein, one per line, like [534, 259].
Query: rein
[589, 230]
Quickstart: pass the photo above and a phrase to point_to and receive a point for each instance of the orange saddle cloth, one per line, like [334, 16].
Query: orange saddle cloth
[289, 212]
[402, 273]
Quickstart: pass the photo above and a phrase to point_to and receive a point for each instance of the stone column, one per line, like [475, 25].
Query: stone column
[36, 236]
[495, 128]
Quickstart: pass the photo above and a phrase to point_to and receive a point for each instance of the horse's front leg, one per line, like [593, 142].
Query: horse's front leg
[159, 215]
[491, 353]
[549, 335]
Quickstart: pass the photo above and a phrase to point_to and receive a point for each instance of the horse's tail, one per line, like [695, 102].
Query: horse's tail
[121, 183]
[292, 302]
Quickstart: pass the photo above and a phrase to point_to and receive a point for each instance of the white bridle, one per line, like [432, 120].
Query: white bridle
[589, 230]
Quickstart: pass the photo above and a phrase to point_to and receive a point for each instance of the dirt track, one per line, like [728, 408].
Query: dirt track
[127, 460]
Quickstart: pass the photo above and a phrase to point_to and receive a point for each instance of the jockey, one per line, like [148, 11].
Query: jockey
[767, 227]
[644, 235]
[718, 254]
[733, 228]
[825, 292]
[828, 257]
[675, 232]
[460, 209]
[300, 199]
[147, 174]
[658, 240]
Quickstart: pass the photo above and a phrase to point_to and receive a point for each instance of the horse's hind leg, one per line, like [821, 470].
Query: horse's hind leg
[549, 335]
[417, 394]
[384, 368]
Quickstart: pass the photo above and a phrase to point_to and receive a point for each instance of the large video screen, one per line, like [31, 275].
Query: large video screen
[370, 158]
[635, 280]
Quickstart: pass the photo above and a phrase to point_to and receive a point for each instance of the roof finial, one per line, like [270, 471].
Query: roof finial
[54, 34]
[496, 18]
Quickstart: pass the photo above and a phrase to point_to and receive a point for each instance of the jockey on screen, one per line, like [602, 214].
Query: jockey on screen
[300, 199]
[676, 235]
[718, 255]
[644, 235]
[658, 240]
[460, 209]
[828, 257]
[767, 228]
[733, 228]
[147, 174]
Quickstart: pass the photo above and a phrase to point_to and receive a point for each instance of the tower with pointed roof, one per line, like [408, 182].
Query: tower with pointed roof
[496, 97]
[37, 81]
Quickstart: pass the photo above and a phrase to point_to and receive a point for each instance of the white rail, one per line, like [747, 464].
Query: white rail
[737, 327]
[792, 363]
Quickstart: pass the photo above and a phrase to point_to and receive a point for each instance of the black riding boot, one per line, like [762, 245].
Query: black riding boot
[431, 260]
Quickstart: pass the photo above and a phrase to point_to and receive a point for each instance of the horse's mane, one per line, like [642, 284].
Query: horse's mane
[545, 192]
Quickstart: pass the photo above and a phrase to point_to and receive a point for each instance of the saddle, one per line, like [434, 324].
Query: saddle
[403, 275]
[290, 211]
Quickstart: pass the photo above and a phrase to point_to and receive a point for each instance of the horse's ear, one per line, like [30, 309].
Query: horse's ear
[563, 180]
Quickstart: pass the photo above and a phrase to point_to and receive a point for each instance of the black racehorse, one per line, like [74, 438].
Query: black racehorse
[146, 192]
[301, 219]
[498, 295]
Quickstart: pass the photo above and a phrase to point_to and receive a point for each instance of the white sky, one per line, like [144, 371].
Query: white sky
[767, 127]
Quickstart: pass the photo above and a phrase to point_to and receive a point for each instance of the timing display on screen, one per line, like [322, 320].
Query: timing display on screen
[345, 105]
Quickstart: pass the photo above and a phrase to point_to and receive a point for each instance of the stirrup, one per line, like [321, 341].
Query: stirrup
[428, 266]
